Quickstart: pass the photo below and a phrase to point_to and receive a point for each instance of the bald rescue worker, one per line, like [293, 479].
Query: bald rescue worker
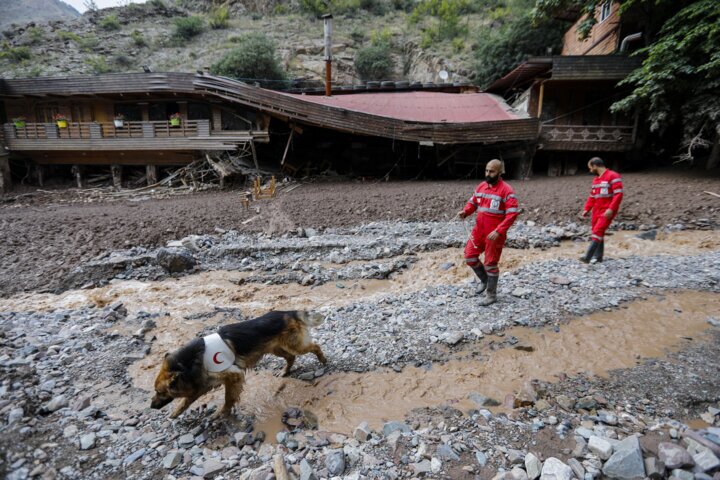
[497, 208]
[604, 201]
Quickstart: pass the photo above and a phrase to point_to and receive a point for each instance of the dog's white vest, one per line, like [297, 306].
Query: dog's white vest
[218, 357]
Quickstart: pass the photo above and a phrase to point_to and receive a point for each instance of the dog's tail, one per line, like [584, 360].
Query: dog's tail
[311, 319]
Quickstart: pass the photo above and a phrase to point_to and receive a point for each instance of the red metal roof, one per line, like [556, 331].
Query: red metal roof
[433, 107]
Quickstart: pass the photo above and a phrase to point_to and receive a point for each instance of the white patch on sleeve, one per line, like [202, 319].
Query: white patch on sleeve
[218, 357]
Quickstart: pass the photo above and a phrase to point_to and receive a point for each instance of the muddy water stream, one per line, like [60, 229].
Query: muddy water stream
[596, 344]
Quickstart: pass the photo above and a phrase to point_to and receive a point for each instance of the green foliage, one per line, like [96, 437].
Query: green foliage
[188, 27]
[357, 33]
[36, 35]
[98, 65]
[280, 9]
[314, 7]
[157, 4]
[219, 18]
[35, 71]
[137, 37]
[374, 62]
[344, 7]
[122, 60]
[679, 80]
[444, 17]
[502, 48]
[65, 36]
[15, 54]
[254, 58]
[87, 43]
[110, 22]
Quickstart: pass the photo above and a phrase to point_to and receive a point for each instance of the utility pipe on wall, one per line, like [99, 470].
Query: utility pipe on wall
[628, 39]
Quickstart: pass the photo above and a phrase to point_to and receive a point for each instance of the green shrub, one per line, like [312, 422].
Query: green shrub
[110, 22]
[65, 36]
[445, 18]
[253, 59]
[376, 7]
[15, 54]
[219, 18]
[374, 62]
[357, 34]
[122, 60]
[314, 7]
[157, 4]
[36, 34]
[137, 37]
[35, 71]
[500, 49]
[98, 65]
[280, 9]
[88, 43]
[188, 27]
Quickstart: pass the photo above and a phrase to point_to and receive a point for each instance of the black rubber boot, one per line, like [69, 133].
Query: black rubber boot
[482, 276]
[598, 257]
[590, 252]
[491, 292]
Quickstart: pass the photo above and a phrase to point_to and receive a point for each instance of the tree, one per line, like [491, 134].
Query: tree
[374, 62]
[502, 48]
[253, 59]
[679, 80]
[678, 84]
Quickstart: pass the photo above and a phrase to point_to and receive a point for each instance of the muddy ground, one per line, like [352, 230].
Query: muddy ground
[560, 375]
[44, 235]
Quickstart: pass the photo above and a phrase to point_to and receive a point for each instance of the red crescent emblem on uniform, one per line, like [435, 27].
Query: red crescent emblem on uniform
[215, 358]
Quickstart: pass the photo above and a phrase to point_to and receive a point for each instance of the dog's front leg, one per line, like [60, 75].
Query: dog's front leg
[233, 388]
[184, 405]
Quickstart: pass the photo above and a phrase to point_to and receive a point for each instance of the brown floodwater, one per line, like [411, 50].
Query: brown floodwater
[594, 344]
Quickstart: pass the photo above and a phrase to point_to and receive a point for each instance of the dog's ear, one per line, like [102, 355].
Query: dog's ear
[167, 354]
[174, 379]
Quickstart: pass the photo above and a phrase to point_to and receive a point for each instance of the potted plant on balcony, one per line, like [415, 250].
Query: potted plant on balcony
[61, 119]
[119, 120]
[19, 121]
[175, 120]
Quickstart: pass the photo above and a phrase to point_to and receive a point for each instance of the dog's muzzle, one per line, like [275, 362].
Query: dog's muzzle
[159, 402]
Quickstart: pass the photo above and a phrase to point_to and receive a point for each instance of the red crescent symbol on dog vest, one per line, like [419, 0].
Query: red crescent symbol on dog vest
[215, 358]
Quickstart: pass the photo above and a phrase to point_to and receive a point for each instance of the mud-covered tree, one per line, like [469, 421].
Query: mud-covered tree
[253, 60]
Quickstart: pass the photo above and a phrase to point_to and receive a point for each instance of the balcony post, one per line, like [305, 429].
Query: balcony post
[77, 172]
[5, 178]
[151, 173]
[116, 171]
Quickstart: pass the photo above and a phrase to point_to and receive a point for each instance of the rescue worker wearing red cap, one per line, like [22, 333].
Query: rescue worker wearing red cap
[497, 208]
[604, 201]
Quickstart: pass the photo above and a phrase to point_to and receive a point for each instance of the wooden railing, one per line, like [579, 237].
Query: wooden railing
[94, 130]
[623, 134]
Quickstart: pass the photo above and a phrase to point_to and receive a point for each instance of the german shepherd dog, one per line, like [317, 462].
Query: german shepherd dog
[186, 373]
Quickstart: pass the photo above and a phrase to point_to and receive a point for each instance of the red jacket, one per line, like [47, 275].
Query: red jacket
[606, 192]
[496, 203]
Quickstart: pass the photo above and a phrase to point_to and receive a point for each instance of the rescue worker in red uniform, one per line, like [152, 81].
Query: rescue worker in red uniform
[604, 201]
[497, 208]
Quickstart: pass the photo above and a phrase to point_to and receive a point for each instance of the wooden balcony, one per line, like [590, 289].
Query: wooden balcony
[132, 136]
[616, 138]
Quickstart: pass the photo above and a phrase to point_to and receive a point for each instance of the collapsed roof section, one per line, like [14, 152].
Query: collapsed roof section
[436, 117]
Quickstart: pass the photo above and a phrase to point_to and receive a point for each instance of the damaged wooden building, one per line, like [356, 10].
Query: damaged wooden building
[156, 120]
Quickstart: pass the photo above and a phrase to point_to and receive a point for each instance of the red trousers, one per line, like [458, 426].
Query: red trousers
[600, 224]
[479, 243]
